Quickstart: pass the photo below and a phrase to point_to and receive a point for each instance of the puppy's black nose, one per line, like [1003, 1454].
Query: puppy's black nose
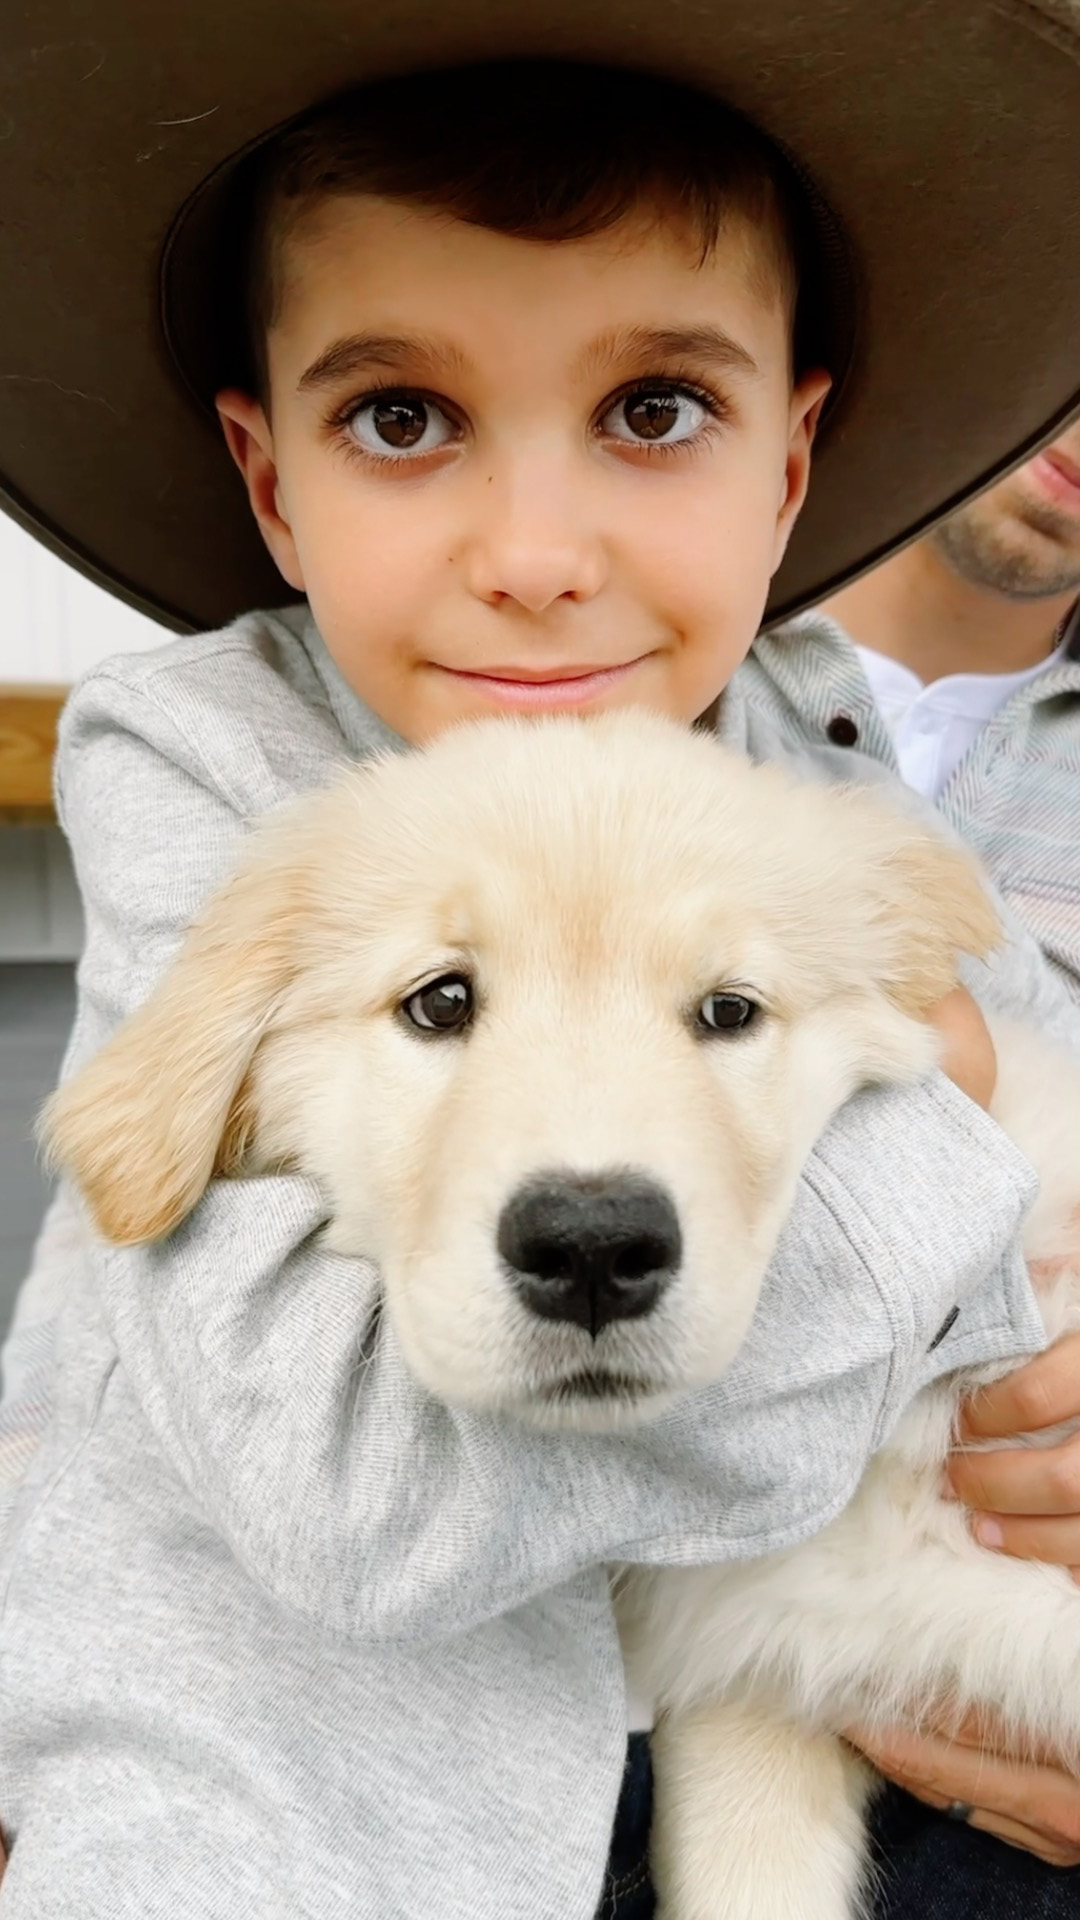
[590, 1248]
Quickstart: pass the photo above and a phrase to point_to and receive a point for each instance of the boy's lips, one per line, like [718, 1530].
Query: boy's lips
[527, 687]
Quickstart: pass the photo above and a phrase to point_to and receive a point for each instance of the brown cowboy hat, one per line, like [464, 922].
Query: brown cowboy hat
[944, 135]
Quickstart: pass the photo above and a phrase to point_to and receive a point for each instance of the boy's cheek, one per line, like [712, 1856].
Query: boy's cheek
[720, 571]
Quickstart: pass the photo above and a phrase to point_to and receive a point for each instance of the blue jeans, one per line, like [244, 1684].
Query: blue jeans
[628, 1893]
[937, 1869]
[929, 1868]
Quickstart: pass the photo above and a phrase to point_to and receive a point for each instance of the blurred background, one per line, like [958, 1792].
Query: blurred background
[56, 626]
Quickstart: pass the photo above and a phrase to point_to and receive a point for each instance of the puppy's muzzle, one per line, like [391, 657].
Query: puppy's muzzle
[590, 1249]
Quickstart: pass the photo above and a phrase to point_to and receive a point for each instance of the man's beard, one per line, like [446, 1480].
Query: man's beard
[1025, 551]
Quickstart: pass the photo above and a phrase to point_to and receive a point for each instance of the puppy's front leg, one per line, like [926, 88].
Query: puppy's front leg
[756, 1819]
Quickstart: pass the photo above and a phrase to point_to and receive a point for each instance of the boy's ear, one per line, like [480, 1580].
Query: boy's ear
[143, 1128]
[807, 400]
[250, 441]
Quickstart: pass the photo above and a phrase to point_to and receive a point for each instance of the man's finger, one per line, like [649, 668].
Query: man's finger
[985, 1733]
[1020, 1480]
[1040, 1394]
[1015, 1834]
[1044, 1800]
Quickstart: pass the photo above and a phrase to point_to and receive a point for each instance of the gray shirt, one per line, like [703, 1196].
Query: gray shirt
[281, 1635]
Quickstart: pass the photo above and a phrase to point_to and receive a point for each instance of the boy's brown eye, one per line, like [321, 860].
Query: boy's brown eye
[395, 425]
[401, 423]
[652, 415]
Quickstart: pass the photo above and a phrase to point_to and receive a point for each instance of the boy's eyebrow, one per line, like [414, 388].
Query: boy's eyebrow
[358, 352]
[708, 345]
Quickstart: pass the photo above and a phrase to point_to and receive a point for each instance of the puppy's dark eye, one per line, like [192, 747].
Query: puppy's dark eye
[727, 1013]
[443, 1006]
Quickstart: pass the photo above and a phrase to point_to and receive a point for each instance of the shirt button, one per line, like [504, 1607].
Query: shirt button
[842, 730]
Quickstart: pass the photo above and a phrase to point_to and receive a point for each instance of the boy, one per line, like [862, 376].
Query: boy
[373, 1684]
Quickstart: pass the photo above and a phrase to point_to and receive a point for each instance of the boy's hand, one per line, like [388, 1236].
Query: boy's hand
[1025, 1500]
[968, 1055]
[1026, 1799]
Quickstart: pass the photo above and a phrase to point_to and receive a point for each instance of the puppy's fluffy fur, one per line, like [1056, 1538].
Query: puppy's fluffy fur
[595, 883]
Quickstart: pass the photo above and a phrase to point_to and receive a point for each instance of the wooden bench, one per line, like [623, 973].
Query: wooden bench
[28, 722]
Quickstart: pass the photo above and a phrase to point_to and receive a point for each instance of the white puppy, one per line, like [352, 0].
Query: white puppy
[555, 1014]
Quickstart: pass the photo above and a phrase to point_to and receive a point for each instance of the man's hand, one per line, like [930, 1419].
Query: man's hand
[968, 1055]
[1026, 1799]
[1025, 1500]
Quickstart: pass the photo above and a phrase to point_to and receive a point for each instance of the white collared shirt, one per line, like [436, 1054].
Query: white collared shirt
[934, 727]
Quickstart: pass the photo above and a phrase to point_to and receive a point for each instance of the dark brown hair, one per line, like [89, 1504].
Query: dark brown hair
[538, 150]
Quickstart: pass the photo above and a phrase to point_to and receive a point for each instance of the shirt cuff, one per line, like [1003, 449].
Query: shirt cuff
[940, 1233]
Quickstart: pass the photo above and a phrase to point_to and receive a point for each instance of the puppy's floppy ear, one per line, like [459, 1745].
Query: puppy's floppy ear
[143, 1127]
[931, 905]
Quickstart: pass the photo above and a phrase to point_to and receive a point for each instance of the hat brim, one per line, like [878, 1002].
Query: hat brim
[943, 134]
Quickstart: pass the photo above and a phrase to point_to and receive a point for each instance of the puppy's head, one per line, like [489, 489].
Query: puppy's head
[554, 1013]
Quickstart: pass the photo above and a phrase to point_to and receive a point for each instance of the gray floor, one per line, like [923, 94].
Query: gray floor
[36, 1007]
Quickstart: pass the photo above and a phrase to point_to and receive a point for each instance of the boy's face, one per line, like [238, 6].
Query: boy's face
[522, 477]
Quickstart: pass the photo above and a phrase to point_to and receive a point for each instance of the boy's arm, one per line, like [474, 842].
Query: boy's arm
[277, 1389]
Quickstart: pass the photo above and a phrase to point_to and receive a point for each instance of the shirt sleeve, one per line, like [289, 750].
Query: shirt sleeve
[275, 1386]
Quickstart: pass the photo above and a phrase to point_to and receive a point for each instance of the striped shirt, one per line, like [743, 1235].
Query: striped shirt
[1015, 797]
[935, 724]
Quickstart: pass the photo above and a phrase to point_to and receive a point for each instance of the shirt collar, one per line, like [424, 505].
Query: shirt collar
[973, 696]
[815, 663]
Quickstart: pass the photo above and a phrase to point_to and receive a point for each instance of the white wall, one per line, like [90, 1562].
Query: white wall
[54, 625]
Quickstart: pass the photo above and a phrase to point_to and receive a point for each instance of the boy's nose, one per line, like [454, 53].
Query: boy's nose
[535, 547]
[535, 581]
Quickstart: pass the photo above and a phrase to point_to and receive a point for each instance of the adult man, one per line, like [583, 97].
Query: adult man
[948, 629]
[969, 642]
